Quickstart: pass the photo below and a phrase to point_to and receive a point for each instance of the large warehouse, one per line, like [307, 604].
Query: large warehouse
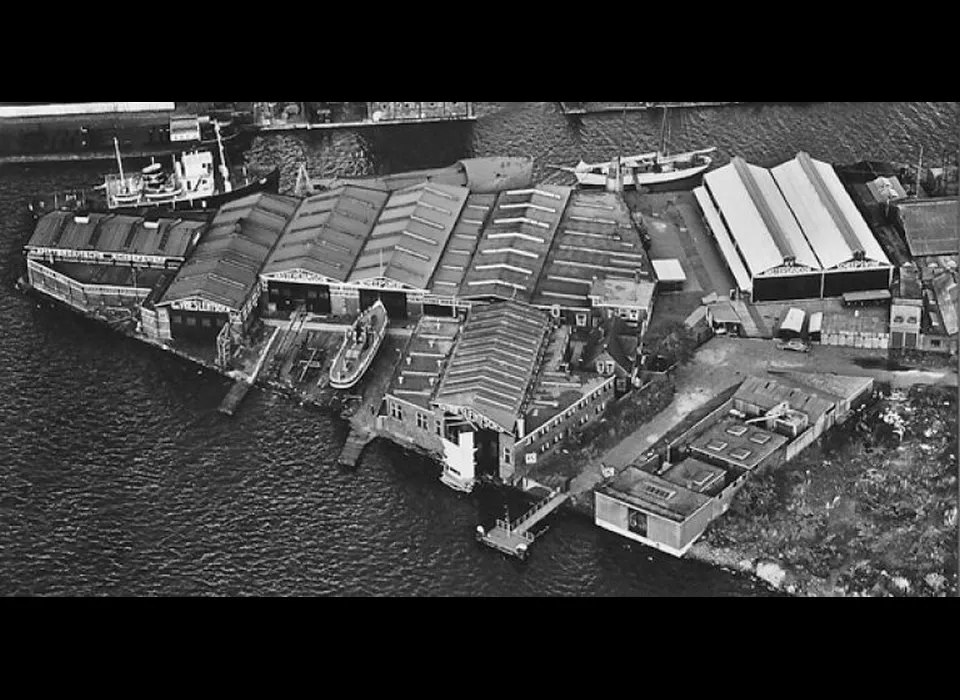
[791, 232]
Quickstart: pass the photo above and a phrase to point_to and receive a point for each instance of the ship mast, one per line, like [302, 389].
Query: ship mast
[116, 148]
[224, 170]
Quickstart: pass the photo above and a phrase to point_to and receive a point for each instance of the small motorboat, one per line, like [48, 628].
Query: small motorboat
[360, 345]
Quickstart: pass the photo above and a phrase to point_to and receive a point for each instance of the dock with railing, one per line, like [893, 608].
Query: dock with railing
[515, 537]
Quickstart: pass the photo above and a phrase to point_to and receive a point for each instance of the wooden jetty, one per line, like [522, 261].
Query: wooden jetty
[233, 398]
[514, 538]
[356, 442]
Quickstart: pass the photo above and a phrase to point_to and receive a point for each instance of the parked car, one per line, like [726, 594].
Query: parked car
[795, 346]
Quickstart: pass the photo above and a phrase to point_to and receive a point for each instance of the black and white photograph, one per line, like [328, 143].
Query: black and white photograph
[479, 349]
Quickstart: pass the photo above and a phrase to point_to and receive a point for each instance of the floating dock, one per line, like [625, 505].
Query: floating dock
[514, 538]
[580, 108]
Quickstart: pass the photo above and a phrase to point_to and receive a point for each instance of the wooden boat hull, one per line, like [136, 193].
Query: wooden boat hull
[631, 179]
[346, 373]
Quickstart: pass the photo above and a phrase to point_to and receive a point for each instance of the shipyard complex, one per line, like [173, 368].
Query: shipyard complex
[520, 312]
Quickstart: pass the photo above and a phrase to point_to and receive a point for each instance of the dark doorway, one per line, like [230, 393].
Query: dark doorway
[439, 310]
[394, 302]
[487, 455]
[287, 296]
[199, 326]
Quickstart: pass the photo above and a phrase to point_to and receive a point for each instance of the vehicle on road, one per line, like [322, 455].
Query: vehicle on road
[795, 346]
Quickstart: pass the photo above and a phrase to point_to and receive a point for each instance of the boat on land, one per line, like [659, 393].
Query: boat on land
[360, 345]
[193, 184]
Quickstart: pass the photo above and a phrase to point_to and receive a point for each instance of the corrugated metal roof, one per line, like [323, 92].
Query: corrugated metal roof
[596, 239]
[831, 387]
[328, 232]
[411, 234]
[495, 361]
[415, 377]
[226, 265]
[931, 226]
[724, 240]
[514, 246]
[111, 233]
[455, 261]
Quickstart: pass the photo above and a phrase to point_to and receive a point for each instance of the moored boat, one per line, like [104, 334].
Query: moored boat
[193, 184]
[360, 345]
[645, 169]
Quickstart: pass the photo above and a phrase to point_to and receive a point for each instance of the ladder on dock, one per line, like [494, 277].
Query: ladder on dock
[353, 448]
[515, 537]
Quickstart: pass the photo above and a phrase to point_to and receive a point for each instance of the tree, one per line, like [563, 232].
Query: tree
[669, 344]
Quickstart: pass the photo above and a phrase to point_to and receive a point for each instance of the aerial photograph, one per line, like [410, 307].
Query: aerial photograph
[479, 349]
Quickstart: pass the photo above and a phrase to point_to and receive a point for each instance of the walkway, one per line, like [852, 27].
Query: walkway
[515, 537]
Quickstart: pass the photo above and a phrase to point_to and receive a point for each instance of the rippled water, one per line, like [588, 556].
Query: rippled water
[118, 476]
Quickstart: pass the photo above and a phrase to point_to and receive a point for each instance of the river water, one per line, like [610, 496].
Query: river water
[119, 477]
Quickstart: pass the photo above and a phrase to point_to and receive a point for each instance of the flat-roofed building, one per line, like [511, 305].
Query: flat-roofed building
[103, 260]
[698, 476]
[630, 300]
[220, 282]
[739, 447]
[651, 510]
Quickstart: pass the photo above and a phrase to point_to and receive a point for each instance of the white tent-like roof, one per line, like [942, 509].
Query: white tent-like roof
[830, 221]
[759, 217]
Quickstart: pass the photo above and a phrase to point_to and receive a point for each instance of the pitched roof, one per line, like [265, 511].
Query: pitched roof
[112, 233]
[724, 240]
[415, 377]
[767, 393]
[759, 217]
[411, 234]
[931, 226]
[327, 232]
[495, 361]
[225, 266]
[945, 287]
[514, 245]
[455, 261]
[596, 239]
[832, 387]
[829, 219]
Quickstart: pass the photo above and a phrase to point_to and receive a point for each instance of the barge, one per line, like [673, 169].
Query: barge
[287, 116]
[60, 132]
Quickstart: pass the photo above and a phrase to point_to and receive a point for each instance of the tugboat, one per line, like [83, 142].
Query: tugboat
[193, 185]
[360, 345]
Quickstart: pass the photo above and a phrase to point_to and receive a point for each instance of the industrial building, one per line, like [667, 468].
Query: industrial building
[486, 395]
[219, 284]
[438, 249]
[103, 260]
[768, 422]
[791, 232]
